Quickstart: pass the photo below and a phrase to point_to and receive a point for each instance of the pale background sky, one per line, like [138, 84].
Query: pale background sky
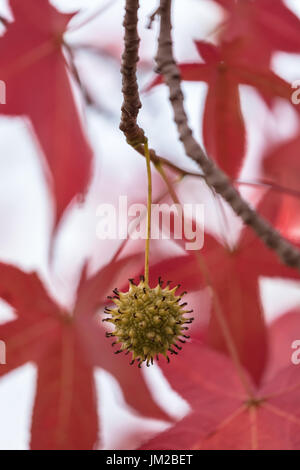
[25, 208]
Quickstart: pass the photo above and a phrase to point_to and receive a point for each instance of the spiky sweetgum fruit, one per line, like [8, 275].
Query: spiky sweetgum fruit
[148, 322]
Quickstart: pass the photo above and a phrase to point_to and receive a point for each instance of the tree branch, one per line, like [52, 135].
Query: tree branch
[131, 104]
[214, 177]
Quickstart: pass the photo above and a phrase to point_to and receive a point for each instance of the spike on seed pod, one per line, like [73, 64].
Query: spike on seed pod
[148, 322]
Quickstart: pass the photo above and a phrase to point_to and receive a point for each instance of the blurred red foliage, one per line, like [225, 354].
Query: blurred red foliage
[247, 398]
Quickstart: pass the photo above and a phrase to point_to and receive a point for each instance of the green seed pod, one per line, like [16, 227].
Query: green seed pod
[148, 322]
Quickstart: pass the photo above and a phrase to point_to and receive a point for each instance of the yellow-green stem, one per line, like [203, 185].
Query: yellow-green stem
[149, 202]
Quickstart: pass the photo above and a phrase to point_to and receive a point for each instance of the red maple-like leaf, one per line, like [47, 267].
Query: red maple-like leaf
[224, 69]
[34, 70]
[234, 274]
[66, 346]
[262, 26]
[223, 414]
